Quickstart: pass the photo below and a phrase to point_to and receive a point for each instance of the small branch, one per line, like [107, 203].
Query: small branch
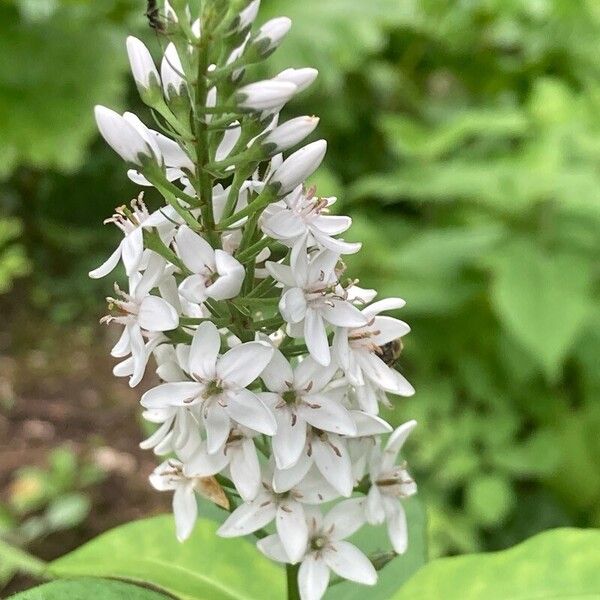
[291, 572]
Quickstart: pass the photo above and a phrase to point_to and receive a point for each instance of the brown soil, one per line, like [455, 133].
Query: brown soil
[56, 388]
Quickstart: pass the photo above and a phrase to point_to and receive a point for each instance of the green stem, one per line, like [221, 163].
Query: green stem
[291, 572]
[259, 203]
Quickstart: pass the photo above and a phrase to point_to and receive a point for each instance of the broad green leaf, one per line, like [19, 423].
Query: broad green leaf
[85, 589]
[543, 299]
[205, 567]
[400, 569]
[560, 563]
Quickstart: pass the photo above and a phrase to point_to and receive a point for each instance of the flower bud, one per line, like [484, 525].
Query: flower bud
[247, 16]
[265, 95]
[288, 134]
[270, 35]
[124, 137]
[298, 167]
[143, 69]
[301, 78]
[171, 71]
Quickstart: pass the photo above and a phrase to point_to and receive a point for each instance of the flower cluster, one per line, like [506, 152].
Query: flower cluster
[273, 362]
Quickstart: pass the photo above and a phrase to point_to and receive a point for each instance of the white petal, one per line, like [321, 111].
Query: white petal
[247, 409]
[245, 470]
[374, 510]
[345, 518]
[185, 510]
[288, 443]
[272, 547]
[396, 525]
[249, 517]
[193, 288]
[383, 305]
[310, 373]
[292, 529]
[229, 283]
[347, 561]
[194, 251]
[315, 337]
[383, 376]
[334, 466]
[284, 225]
[285, 479]
[343, 314]
[108, 265]
[313, 578]
[218, 425]
[156, 314]
[204, 351]
[389, 329]
[292, 305]
[332, 224]
[395, 443]
[327, 414]
[277, 373]
[172, 394]
[279, 272]
[203, 464]
[367, 424]
[123, 345]
[132, 249]
[242, 364]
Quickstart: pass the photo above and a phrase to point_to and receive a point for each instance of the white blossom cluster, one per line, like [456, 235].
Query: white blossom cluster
[273, 363]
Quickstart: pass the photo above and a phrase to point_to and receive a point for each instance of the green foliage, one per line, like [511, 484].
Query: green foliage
[83, 589]
[206, 566]
[559, 563]
[13, 262]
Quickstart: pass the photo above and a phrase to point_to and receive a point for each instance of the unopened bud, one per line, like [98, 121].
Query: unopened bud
[298, 167]
[301, 78]
[288, 134]
[270, 35]
[265, 95]
[144, 70]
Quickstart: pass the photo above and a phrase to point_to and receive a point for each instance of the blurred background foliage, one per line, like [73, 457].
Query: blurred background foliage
[464, 139]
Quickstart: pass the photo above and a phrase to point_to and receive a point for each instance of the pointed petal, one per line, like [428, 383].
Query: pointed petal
[292, 529]
[217, 424]
[204, 351]
[343, 314]
[194, 250]
[327, 414]
[334, 466]
[292, 305]
[285, 479]
[245, 470]
[108, 265]
[310, 373]
[182, 393]
[272, 547]
[345, 518]
[383, 305]
[396, 525]
[249, 517]
[315, 337]
[289, 441]
[313, 578]
[156, 314]
[244, 363]
[349, 562]
[132, 249]
[277, 373]
[247, 409]
[395, 443]
[185, 510]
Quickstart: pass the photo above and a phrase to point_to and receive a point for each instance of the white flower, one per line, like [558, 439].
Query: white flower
[264, 95]
[142, 66]
[171, 71]
[288, 134]
[132, 222]
[297, 167]
[219, 387]
[299, 219]
[301, 78]
[238, 453]
[327, 550]
[272, 34]
[286, 509]
[125, 137]
[361, 351]
[169, 476]
[390, 483]
[299, 399]
[139, 311]
[216, 274]
[314, 298]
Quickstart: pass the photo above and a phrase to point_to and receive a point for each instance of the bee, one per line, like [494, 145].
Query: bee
[153, 15]
[390, 352]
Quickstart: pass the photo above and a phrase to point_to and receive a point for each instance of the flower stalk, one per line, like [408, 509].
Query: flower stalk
[273, 363]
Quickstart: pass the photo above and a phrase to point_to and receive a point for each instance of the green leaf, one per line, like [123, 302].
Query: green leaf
[84, 589]
[561, 563]
[204, 567]
[46, 105]
[400, 569]
[542, 299]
